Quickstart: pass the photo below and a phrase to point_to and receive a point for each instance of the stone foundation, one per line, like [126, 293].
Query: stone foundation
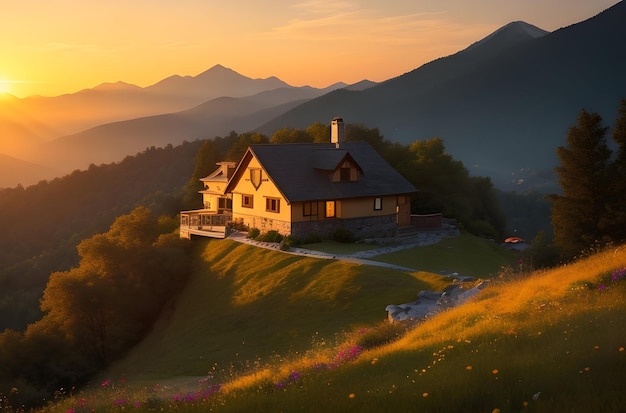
[368, 227]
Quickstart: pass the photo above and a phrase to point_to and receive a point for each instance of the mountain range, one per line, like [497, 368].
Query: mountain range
[501, 106]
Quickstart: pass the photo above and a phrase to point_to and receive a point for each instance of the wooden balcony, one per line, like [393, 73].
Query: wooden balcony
[204, 223]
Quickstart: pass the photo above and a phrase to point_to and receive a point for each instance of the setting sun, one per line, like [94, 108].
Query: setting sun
[5, 86]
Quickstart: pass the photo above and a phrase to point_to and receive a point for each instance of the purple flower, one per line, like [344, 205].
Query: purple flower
[295, 376]
[106, 383]
[601, 287]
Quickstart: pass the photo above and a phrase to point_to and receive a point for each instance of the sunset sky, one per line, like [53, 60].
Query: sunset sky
[61, 46]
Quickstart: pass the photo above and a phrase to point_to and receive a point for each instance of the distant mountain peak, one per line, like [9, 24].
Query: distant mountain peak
[508, 35]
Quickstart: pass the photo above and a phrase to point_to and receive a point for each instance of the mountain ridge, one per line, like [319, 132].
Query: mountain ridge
[499, 113]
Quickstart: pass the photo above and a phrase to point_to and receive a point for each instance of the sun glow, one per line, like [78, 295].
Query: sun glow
[5, 86]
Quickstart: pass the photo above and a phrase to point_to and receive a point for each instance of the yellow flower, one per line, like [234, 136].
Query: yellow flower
[468, 368]
[351, 395]
[425, 394]
[495, 371]
[496, 410]
[621, 348]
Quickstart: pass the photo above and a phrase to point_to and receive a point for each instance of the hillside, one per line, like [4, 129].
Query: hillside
[502, 105]
[543, 341]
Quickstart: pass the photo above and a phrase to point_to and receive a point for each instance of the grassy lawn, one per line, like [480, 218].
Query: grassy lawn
[465, 254]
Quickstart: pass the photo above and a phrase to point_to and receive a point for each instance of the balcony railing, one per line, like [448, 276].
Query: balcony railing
[204, 223]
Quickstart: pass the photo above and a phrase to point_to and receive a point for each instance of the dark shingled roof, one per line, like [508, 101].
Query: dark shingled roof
[301, 171]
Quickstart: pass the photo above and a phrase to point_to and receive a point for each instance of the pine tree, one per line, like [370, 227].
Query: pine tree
[615, 224]
[578, 213]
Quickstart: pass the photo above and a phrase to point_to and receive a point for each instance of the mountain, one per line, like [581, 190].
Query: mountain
[58, 116]
[217, 117]
[16, 171]
[501, 105]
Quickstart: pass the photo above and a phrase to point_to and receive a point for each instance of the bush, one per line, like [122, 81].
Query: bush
[253, 233]
[270, 236]
[343, 235]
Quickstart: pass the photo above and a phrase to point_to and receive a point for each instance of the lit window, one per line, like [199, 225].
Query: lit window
[330, 209]
[272, 205]
[378, 203]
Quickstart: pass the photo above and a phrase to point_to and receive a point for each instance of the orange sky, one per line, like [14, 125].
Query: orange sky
[61, 46]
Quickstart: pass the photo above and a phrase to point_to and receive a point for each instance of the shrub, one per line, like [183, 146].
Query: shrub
[343, 235]
[253, 233]
[270, 236]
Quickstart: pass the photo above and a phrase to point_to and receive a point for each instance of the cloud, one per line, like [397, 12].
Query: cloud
[345, 22]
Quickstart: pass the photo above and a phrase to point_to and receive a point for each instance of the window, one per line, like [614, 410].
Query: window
[330, 209]
[378, 203]
[344, 174]
[225, 203]
[247, 201]
[309, 209]
[272, 205]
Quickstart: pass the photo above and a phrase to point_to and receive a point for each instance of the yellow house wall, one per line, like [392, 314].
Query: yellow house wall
[257, 216]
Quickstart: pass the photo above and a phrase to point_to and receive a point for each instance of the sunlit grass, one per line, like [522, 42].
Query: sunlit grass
[547, 341]
[465, 254]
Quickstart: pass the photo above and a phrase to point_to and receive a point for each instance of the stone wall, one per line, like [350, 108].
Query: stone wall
[367, 227]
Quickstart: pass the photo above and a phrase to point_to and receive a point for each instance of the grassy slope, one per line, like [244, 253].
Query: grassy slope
[553, 332]
[245, 303]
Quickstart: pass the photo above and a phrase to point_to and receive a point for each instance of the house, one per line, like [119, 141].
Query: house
[213, 218]
[302, 188]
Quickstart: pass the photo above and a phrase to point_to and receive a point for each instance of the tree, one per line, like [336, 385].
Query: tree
[578, 212]
[286, 135]
[111, 299]
[615, 223]
[206, 159]
[239, 147]
[319, 132]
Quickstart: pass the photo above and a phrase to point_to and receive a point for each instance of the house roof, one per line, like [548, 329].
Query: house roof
[300, 171]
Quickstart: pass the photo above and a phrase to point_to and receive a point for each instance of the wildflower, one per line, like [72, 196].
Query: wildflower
[425, 394]
[138, 404]
[352, 395]
[468, 368]
[601, 287]
[536, 395]
[495, 371]
[106, 383]
[294, 376]
[621, 348]
[496, 410]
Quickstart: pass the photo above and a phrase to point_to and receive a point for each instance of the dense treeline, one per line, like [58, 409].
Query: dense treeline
[41, 225]
[97, 310]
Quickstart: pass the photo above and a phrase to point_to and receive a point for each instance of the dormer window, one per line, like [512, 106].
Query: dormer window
[344, 174]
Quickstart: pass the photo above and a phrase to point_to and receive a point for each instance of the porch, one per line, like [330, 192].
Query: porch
[204, 223]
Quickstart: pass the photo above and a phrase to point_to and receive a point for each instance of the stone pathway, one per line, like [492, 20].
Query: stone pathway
[363, 257]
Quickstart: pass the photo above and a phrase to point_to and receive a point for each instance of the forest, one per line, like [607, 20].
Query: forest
[89, 261]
